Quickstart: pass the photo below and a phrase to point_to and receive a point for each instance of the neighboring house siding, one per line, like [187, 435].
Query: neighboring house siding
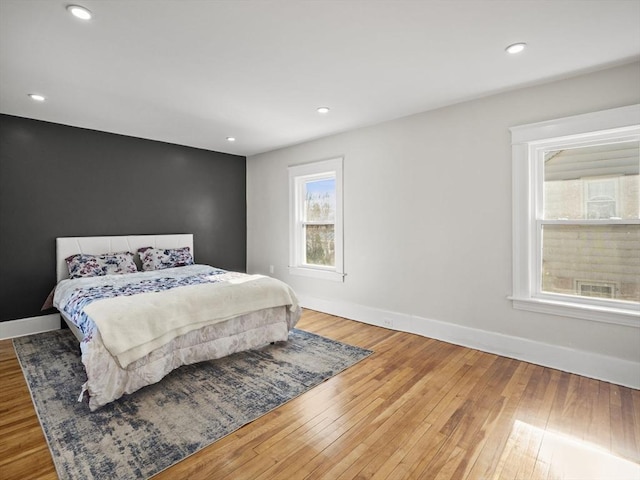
[601, 256]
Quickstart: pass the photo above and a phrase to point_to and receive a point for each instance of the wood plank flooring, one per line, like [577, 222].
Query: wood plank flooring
[416, 409]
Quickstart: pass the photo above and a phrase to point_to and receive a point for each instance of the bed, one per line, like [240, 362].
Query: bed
[140, 308]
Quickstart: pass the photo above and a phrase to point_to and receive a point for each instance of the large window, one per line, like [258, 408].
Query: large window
[577, 216]
[316, 219]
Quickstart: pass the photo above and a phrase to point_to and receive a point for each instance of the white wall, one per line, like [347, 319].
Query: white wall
[427, 212]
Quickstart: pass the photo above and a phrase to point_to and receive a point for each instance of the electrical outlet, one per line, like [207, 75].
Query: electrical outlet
[271, 269]
[387, 323]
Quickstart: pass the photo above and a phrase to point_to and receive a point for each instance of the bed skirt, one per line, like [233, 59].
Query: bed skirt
[107, 381]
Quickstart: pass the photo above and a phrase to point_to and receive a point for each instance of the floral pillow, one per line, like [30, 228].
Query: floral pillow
[158, 258]
[85, 265]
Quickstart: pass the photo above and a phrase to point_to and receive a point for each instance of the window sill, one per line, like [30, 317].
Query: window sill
[317, 273]
[620, 316]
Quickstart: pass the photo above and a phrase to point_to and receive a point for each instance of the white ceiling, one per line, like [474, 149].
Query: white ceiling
[193, 72]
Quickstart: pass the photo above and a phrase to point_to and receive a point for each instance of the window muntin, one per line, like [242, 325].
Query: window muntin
[316, 219]
[592, 196]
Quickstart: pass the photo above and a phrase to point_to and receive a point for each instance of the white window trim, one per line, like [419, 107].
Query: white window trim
[296, 266]
[527, 142]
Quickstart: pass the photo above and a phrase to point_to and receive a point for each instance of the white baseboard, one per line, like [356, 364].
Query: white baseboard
[588, 364]
[28, 326]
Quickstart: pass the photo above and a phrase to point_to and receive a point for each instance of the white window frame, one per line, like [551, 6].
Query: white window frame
[529, 142]
[298, 175]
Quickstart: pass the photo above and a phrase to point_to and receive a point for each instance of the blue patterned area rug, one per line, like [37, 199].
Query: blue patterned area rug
[148, 431]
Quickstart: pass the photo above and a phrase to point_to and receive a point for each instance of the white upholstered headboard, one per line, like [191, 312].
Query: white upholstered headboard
[67, 246]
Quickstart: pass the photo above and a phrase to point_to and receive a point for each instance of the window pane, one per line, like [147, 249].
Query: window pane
[320, 204]
[596, 182]
[592, 260]
[319, 240]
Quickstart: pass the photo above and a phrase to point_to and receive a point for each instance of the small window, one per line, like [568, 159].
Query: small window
[601, 290]
[601, 199]
[316, 219]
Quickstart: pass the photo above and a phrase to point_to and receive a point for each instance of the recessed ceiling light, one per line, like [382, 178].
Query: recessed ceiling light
[323, 110]
[231, 139]
[37, 97]
[516, 48]
[79, 12]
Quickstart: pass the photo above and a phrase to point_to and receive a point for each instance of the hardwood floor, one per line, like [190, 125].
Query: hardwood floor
[417, 408]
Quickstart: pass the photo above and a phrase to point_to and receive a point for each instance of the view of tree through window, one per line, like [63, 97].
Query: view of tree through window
[319, 221]
[589, 246]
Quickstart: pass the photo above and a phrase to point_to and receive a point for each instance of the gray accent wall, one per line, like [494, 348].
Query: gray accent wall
[61, 181]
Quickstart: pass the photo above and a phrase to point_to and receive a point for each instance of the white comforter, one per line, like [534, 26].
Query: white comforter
[133, 326]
